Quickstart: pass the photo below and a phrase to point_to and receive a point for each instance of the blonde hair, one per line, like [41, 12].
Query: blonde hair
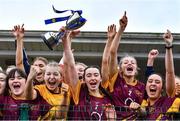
[42, 59]
[55, 64]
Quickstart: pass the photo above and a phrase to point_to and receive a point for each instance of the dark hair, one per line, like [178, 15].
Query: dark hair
[12, 75]
[158, 75]
[163, 84]
[104, 91]
[92, 66]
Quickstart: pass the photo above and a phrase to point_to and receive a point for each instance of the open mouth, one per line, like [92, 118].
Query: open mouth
[80, 77]
[129, 69]
[16, 86]
[39, 74]
[93, 83]
[152, 90]
[51, 83]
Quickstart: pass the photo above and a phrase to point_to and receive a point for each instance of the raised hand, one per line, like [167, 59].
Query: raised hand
[72, 34]
[68, 35]
[168, 38]
[18, 32]
[151, 57]
[153, 54]
[111, 31]
[123, 22]
[33, 72]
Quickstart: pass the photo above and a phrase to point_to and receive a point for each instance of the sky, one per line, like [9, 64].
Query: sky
[143, 15]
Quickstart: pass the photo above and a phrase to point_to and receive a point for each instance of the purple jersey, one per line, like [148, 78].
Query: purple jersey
[162, 109]
[124, 93]
[91, 107]
[11, 108]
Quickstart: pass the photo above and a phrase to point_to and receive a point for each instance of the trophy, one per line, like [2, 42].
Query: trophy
[73, 22]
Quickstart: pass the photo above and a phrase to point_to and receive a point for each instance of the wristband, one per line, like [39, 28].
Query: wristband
[169, 47]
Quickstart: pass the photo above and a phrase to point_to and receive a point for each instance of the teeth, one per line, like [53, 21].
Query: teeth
[152, 90]
[39, 74]
[92, 83]
[129, 69]
[16, 86]
[52, 83]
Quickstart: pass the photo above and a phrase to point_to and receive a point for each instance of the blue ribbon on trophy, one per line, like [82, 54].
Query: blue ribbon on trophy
[73, 21]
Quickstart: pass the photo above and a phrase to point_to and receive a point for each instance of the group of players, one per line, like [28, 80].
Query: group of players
[75, 91]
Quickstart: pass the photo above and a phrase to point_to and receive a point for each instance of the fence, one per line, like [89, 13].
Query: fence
[85, 112]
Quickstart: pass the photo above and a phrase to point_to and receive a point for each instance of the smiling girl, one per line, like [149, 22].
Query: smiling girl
[11, 103]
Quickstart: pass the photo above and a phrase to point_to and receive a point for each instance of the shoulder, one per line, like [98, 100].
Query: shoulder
[39, 87]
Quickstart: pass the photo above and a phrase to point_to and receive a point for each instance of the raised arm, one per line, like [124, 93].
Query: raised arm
[169, 64]
[71, 76]
[18, 32]
[106, 54]
[30, 92]
[150, 62]
[115, 44]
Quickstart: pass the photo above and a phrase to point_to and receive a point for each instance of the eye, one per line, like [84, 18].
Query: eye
[88, 75]
[133, 62]
[96, 74]
[41, 65]
[125, 63]
[48, 74]
[81, 70]
[149, 81]
[11, 79]
[2, 80]
[157, 82]
[56, 74]
[19, 77]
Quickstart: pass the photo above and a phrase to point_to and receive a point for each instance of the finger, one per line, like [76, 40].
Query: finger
[15, 27]
[111, 27]
[168, 31]
[114, 27]
[124, 13]
[108, 28]
[62, 29]
[18, 26]
[22, 26]
[22, 29]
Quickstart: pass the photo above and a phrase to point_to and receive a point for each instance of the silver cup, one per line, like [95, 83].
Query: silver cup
[51, 39]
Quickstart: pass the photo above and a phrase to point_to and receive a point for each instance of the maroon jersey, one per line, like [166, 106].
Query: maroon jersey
[162, 109]
[90, 107]
[11, 108]
[124, 93]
